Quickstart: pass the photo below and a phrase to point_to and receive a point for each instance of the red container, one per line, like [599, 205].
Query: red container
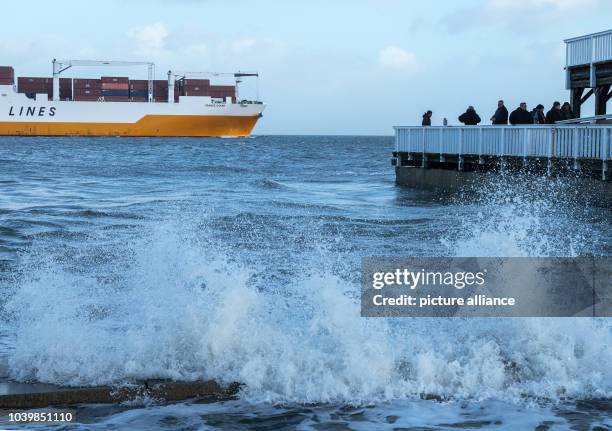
[230, 90]
[26, 84]
[7, 75]
[87, 83]
[139, 84]
[116, 79]
[139, 99]
[86, 92]
[198, 82]
[115, 86]
[196, 88]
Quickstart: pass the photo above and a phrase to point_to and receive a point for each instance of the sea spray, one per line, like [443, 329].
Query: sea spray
[246, 298]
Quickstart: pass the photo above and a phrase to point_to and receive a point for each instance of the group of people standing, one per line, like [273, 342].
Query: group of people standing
[520, 115]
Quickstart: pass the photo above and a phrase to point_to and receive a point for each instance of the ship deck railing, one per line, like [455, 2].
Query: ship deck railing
[592, 141]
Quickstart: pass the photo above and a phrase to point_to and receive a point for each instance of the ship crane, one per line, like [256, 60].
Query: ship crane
[61, 65]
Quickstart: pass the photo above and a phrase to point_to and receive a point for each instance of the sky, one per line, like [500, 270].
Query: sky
[326, 67]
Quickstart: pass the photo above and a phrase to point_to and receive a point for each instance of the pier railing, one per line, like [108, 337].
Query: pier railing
[558, 141]
[592, 48]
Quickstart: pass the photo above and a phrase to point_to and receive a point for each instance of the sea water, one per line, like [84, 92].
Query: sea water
[238, 260]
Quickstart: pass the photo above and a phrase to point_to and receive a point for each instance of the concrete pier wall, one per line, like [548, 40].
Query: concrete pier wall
[27, 396]
[450, 181]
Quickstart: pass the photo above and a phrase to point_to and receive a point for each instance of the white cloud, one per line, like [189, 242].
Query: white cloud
[240, 46]
[397, 58]
[506, 6]
[149, 38]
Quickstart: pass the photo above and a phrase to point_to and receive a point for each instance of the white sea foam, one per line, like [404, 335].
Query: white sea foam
[182, 308]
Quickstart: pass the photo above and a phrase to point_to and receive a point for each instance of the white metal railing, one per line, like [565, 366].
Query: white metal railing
[572, 141]
[588, 49]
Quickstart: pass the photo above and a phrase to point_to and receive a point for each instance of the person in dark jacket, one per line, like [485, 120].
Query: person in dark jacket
[566, 111]
[538, 115]
[501, 114]
[427, 119]
[521, 115]
[470, 117]
[554, 114]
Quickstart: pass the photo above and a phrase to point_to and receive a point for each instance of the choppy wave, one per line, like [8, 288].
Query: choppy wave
[180, 303]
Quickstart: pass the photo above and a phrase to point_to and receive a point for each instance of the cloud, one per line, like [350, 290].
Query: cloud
[240, 46]
[149, 38]
[396, 58]
[513, 14]
[512, 6]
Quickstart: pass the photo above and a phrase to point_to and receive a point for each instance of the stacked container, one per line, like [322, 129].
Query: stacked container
[87, 89]
[160, 91]
[139, 90]
[7, 75]
[115, 88]
[223, 91]
[196, 87]
[31, 86]
[65, 88]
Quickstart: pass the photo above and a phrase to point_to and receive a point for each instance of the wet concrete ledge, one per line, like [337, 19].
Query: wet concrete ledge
[36, 395]
[448, 182]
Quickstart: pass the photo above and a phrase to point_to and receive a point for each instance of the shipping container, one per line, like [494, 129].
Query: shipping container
[86, 83]
[108, 79]
[139, 84]
[86, 92]
[198, 82]
[139, 93]
[196, 88]
[123, 93]
[7, 75]
[115, 86]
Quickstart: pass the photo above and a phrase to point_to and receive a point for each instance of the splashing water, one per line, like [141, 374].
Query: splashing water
[270, 297]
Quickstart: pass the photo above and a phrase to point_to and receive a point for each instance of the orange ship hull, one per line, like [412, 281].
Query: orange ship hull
[149, 125]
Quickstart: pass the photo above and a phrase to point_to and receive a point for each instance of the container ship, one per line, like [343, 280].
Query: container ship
[179, 106]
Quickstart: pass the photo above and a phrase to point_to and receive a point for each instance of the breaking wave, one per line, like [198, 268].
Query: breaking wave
[179, 303]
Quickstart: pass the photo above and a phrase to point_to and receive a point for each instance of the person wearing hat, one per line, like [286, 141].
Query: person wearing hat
[538, 115]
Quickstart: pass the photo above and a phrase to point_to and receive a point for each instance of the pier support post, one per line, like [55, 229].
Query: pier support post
[576, 166]
[425, 162]
[460, 164]
[601, 99]
[399, 160]
[442, 158]
[604, 170]
[549, 167]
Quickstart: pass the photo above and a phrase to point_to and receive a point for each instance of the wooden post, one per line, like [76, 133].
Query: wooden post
[601, 98]
[576, 100]
[604, 155]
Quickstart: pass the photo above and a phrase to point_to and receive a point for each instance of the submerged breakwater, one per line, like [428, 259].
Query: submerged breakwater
[131, 259]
